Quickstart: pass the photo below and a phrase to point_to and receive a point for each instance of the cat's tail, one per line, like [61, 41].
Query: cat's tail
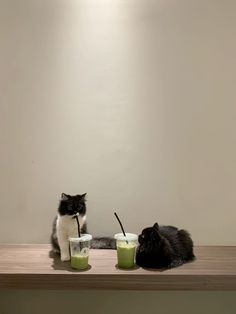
[103, 243]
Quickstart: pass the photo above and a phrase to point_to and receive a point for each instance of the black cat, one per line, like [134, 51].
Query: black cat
[164, 247]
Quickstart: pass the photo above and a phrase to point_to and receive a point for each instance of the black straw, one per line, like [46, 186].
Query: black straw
[79, 234]
[120, 225]
[77, 219]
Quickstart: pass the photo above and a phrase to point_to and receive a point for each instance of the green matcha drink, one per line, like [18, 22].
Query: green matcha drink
[79, 261]
[125, 255]
[126, 247]
[79, 250]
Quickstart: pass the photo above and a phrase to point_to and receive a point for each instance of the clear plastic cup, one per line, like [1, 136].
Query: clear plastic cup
[126, 248]
[79, 251]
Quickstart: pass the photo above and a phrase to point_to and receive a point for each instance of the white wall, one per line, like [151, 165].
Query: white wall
[130, 101]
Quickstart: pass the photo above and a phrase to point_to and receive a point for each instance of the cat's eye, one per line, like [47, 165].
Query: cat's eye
[80, 207]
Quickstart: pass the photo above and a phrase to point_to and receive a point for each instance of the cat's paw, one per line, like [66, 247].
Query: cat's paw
[56, 251]
[65, 258]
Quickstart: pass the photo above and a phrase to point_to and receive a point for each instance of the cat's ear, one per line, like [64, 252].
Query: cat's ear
[64, 197]
[82, 197]
[156, 226]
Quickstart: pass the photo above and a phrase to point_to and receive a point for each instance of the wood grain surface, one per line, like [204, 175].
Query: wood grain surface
[35, 267]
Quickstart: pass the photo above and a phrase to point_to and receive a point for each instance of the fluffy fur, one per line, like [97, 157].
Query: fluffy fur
[164, 247]
[65, 226]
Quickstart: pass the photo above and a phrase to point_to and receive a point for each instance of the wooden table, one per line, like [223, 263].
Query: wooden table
[34, 267]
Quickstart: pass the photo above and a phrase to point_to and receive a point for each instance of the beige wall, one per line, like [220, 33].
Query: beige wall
[113, 302]
[132, 101]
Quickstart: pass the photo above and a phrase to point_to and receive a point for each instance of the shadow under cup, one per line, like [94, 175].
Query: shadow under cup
[79, 250]
[126, 248]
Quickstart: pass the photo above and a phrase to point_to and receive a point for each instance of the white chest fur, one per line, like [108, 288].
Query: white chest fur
[67, 227]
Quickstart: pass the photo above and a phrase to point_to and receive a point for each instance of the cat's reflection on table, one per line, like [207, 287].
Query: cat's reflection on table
[57, 264]
[135, 267]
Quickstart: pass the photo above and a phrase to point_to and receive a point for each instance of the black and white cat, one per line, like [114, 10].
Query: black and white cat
[65, 226]
[164, 247]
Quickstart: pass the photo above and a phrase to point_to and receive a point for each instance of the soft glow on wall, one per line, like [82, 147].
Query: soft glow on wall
[132, 102]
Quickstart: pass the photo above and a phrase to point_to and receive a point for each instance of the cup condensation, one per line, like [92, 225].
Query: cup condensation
[126, 248]
[79, 251]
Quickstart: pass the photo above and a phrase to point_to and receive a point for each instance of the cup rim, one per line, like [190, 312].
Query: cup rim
[84, 237]
[127, 237]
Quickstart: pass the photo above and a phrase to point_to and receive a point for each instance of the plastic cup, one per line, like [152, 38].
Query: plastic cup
[126, 247]
[79, 251]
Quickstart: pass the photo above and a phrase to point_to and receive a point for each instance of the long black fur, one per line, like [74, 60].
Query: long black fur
[103, 243]
[164, 247]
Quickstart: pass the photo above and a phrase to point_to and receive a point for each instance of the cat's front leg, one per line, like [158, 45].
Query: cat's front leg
[175, 263]
[64, 246]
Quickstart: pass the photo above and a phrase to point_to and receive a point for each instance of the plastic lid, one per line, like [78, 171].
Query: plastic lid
[127, 237]
[83, 238]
